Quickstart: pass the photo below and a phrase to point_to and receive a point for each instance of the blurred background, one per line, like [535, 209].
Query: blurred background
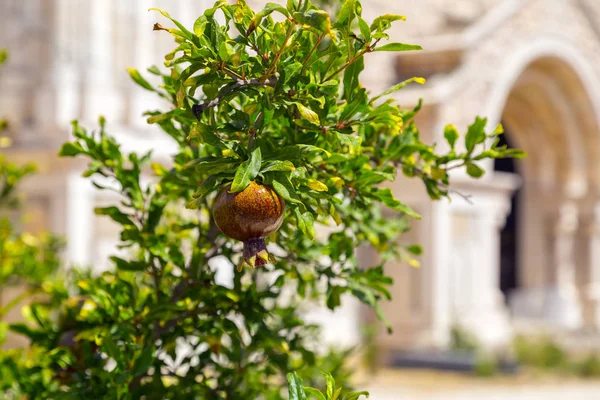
[509, 283]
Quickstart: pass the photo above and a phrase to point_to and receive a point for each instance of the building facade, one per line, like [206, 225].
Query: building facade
[526, 246]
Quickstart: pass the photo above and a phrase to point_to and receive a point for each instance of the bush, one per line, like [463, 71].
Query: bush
[271, 97]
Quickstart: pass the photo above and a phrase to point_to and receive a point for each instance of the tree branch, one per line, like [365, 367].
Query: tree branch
[197, 109]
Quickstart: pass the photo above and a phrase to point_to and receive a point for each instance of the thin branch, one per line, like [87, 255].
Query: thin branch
[367, 49]
[239, 84]
[443, 186]
[280, 52]
[305, 63]
[343, 67]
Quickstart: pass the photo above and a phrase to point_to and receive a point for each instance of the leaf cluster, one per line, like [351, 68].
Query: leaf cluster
[272, 96]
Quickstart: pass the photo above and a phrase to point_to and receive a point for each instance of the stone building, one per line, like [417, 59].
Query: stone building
[524, 249]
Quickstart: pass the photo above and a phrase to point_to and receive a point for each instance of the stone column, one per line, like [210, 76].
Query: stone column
[479, 304]
[561, 304]
[588, 260]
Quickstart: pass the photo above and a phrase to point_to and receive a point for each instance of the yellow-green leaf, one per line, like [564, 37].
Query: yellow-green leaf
[316, 185]
[308, 114]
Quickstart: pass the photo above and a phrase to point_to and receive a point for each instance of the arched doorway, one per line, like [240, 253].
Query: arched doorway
[548, 110]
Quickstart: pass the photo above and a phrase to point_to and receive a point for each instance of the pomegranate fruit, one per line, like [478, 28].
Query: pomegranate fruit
[249, 216]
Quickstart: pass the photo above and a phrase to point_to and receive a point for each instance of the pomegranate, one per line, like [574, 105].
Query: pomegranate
[249, 216]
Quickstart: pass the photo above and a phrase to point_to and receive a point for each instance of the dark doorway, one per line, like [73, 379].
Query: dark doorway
[509, 243]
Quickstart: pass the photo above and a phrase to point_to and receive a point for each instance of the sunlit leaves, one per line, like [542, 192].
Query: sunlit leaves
[272, 96]
[137, 78]
[295, 389]
[308, 114]
[247, 171]
[398, 47]
[316, 19]
[387, 197]
[474, 170]
[306, 223]
[399, 86]
[384, 22]
[451, 135]
[476, 134]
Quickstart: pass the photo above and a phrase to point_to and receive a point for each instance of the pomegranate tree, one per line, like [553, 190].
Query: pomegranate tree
[275, 138]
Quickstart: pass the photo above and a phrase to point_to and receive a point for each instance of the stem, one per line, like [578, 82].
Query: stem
[232, 74]
[305, 62]
[280, 52]
[367, 49]
[423, 174]
[197, 109]
[343, 67]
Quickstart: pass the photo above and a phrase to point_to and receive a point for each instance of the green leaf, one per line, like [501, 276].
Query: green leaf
[290, 70]
[308, 114]
[282, 185]
[384, 22]
[111, 348]
[137, 77]
[3, 56]
[415, 249]
[451, 135]
[316, 185]
[347, 13]
[298, 151]
[398, 47]
[399, 86]
[143, 363]
[317, 19]
[387, 197]
[204, 189]
[336, 394]
[269, 8]
[351, 77]
[71, 149]
[246, 172]
[206, 134]
[129, 265]
[355, 395]
[200, 25]
[278, 165]
[364, 29]
[314, 392]
[329, 384]
[353, 142]
[306, 223]
[474, 170]
[115, 214]
[186, 33]
[475, 134]
[295, 389]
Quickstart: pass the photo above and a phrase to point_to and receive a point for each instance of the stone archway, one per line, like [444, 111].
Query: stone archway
[546, 99]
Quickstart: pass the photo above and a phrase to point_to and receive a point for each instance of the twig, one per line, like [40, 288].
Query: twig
[197, 109]
[367, 49]
[443, 186]
[305, 63]
[280, 52]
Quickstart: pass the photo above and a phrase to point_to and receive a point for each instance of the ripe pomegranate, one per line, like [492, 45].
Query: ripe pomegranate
[249, 216]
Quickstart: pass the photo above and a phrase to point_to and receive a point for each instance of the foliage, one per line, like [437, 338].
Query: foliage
[543, 353]
[463, 340]
[297, 391]
[272, 96]
[26, 261]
